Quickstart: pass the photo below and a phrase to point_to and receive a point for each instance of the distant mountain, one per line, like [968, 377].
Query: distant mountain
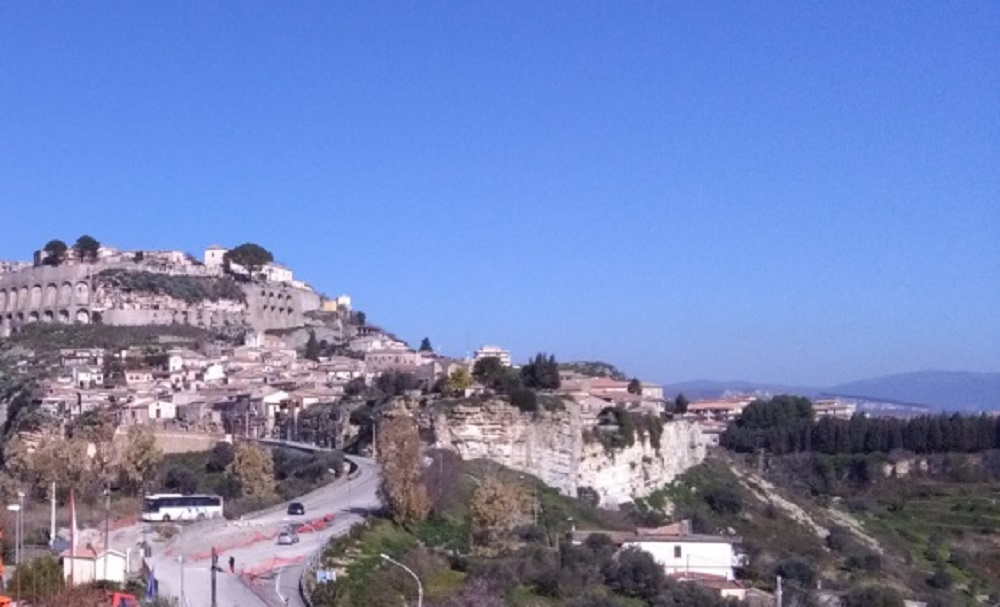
[937, 390]
[706, 388]
[940, 390]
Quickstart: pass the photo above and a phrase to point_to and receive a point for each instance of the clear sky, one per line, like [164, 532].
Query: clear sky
[793, 192]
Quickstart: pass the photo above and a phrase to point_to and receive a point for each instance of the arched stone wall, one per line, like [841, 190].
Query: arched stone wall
[82, 296]
[65, 294]
[51, 295]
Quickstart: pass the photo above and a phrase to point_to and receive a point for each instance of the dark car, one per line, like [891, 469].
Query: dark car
[296, 509]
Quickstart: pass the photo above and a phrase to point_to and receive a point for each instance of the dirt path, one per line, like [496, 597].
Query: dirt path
[768, 492]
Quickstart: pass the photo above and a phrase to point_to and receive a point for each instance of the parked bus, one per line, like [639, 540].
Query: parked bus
[177, 507]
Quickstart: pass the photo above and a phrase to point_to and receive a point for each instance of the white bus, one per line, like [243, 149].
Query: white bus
[177, 507]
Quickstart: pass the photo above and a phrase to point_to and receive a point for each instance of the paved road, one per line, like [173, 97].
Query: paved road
[278, 565]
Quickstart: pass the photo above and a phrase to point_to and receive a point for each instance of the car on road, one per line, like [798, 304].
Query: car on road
[287, 537]
[296, 509]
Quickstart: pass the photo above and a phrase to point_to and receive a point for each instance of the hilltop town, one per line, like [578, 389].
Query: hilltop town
[233, 348]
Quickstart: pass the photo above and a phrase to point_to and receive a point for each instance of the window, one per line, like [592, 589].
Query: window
[677, 552]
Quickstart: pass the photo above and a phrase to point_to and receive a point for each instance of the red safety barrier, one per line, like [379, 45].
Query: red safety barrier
[255, 571]
[127, 521]
[255, 538]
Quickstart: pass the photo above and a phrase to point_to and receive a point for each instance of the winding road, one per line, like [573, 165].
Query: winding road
[275, 570]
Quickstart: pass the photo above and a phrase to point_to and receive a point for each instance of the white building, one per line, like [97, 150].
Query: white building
[494, 352]
[691, 554]
[88, 566]
[377, 342]
[215, 256]
[88, 376]
[683, 554]
[652, 391]
[277, 273]
[145, 410]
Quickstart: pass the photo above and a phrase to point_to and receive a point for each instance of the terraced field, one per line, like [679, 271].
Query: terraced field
[940, 527]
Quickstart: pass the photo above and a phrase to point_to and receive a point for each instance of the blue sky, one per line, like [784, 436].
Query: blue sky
[769, 191]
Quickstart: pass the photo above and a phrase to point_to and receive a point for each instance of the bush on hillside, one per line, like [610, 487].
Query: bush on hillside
[724, 500]
[220, 457]
[873, 596]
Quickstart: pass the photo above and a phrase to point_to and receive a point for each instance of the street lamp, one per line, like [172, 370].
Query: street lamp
[107, 520]
[20, 518]
[420, 587]
[17, 531]
[180, 557]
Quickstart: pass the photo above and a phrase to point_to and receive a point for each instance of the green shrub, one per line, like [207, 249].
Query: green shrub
[724, 500]
[941, 580]
[524, 399]
[873, 596]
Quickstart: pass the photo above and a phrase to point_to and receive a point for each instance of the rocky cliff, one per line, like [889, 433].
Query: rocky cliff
[560, 448]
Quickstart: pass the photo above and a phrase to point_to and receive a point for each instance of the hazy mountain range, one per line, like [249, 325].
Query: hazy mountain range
[936, 390]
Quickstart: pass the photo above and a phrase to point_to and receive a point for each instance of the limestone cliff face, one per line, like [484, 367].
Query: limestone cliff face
[558, 448]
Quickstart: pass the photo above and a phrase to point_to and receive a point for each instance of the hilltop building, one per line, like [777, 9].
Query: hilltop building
[494, 352]
[153, 288]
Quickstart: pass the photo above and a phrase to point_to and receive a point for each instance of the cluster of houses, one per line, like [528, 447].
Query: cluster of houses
[255, 388]
[246, 389]
[715, 414]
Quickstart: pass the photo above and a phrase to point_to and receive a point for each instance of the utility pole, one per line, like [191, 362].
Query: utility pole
[215, 568]
[107, 522]
[777, 593]
[52, 523]
[181, 558]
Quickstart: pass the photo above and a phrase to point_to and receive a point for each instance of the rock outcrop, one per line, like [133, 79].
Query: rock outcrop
[560, 448]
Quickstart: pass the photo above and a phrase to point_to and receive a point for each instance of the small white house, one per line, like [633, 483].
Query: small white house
[694, 554]
[683, 554]
[88, 566]
[144, 410]
[88, 376]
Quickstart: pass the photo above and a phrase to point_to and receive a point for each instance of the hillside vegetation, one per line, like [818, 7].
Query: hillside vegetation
[522, 558]
[913, 501]
[190, 289]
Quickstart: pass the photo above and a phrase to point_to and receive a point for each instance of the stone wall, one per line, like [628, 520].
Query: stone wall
[187, 442]
[554, 448]
[45, 294]
[275, 306]
[68, 294]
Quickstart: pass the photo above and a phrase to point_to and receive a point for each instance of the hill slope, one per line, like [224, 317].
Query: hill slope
[952, 390]
[939, 390]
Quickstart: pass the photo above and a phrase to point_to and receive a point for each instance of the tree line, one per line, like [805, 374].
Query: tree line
[787, 424]
[86, 248]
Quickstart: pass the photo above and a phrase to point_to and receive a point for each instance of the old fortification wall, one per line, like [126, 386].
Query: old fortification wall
[556, 448]
[187, 442]
[69, 294]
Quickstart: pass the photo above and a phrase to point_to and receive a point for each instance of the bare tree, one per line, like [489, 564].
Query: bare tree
[139, 458]
[399, 453]
[253, 467]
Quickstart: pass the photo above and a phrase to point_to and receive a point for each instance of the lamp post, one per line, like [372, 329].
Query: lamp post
[20, 518]
[180, 558]
[420, 587]
[16, 508]
[107, 521]
[18, 524]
